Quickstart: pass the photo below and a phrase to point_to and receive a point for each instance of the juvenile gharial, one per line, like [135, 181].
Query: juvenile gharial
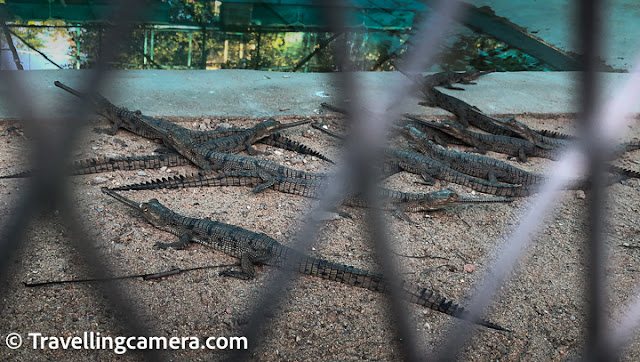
[465, 113]
[155, 128]
[230, 144]
[447, 79]
[243, 141]
[253, 248]
[482, 142]
[496, 170]
[108, 164]
[562, 141]
[474, 165]
[397, 201]
[398, 160]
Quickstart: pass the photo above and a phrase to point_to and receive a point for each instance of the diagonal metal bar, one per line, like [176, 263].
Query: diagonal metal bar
[368, 134]
[612, 119]
[619, 115]
[317, 50]
[26, 43]
[7, 36]
[361, 154]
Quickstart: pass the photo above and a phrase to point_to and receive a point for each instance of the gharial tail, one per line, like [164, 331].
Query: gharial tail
[432, 300]
[281, 141]
[200, 179]
[22, 174]
[624, 171]
[377, 283]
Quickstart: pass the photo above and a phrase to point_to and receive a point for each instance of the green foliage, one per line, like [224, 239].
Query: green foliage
[483, 52]
[35, 36]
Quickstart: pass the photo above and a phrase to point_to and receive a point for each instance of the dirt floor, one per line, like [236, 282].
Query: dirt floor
[449, 251]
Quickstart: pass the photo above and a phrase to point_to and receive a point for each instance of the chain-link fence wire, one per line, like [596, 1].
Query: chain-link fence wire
[51, 143]
[51, 150]
[356, 173]
[599, 126]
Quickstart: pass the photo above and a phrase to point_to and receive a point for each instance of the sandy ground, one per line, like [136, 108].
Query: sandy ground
[543, 303]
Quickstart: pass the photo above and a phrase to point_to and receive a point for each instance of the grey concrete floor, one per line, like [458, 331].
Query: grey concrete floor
[261, 94]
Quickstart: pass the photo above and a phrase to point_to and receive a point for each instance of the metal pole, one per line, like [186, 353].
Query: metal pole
[151, 49]
[190, 47]
[203, 61]
[77, 48]
[14, 52]
[595, 255]
[144, 58]
[258, 51]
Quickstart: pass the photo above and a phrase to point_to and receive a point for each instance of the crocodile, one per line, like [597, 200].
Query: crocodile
[429, 168]
[242, 141]
[447, 79]
[398, 201]
[474, 165]
[398, 160]
[255, 248]
[212, 160]
[155, 128]
[554, 142]
[483, 142]
[436, 135]
[104, 164]
[465, 113]
[233, 143]
[496, 170]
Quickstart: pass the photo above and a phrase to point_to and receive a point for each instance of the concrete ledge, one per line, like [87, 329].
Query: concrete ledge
[260, 94]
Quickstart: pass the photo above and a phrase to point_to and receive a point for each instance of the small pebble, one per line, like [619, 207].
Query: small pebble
[163, 168]
[202, 126]
[277, 153]
[98, 180]
[142, 173]
[469, 268]
[580, 195]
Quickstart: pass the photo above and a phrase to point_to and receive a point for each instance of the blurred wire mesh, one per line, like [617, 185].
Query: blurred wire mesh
[51, 150]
